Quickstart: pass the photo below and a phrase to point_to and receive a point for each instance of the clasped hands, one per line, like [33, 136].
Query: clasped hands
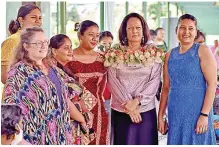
[131, 108]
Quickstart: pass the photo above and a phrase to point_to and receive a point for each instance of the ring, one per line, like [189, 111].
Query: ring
[203, 129]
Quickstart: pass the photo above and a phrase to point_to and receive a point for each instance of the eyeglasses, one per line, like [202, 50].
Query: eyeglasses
[40, 44]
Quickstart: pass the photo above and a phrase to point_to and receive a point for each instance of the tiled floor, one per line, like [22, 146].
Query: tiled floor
[162, 139]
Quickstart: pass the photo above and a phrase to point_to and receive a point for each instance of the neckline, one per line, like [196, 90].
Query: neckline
[84, 62]
[186, 51]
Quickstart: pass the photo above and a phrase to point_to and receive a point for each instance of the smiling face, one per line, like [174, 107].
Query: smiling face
[64, 53]
[106, 41]
[134, 30]
[33, 19]
[37, 46]
[186, 31]
[89, 39]
[160, 34]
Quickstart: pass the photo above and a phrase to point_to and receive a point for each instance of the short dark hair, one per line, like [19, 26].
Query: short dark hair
[123, 33]
[22, 12]
[84, 25]
[187, 16]
[158, 29]
[152, 32]
[105, 34]
[10, 116]
[57, 41]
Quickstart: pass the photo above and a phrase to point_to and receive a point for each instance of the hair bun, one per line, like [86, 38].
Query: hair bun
[13, 26]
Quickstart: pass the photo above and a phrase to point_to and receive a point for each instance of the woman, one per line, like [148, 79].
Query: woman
[133, 83]
[60, 50]
[39, 89]
[87, 66]
[200, 38]
[61, 53]
[105, 41]
[189, 85]
[159, 40]
[29, 15]
[11, 125]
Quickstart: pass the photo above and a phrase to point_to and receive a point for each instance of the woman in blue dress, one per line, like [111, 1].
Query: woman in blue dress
[190, 79]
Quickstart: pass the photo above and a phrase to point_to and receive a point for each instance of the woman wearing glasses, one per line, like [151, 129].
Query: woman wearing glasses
[39, 89]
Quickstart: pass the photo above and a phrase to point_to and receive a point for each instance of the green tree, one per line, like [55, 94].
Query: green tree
[157, 10]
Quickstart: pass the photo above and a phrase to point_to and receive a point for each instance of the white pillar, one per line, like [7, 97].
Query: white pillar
[109, 15]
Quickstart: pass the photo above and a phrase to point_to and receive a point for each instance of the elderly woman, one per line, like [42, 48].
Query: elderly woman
[39, 89]
[133, 79]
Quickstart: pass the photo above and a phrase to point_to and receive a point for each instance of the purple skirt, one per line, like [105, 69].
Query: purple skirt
[125, 132]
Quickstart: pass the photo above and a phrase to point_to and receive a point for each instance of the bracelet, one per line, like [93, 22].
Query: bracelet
[203, 114]
[164, 118]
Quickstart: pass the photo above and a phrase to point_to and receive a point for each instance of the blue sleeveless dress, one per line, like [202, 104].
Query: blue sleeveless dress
[185, 99]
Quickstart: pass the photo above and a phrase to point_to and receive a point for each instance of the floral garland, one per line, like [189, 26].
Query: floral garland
[147, 56]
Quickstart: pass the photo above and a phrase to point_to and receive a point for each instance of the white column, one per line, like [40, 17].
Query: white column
[109, 15]
[45, 10]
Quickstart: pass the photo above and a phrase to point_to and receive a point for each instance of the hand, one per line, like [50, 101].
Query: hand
[85, 127]
[216, 125]
[130, 105]
[91, 118]
[162, 126]
[202, 125]
[135, 116]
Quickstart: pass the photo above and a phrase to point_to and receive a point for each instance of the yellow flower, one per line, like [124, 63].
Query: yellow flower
[147, 54]
[136, 54]
[113, 54]
[142, 57]
[132, 57]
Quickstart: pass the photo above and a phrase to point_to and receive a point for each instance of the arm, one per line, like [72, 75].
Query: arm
[164, 96]
[74, 113]
[150, 88]
[210, 74]
[116, 88]
[165, 88]
[102, 86]
[11, 89]
[6, 55]
[4, 71]
[74, 89]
